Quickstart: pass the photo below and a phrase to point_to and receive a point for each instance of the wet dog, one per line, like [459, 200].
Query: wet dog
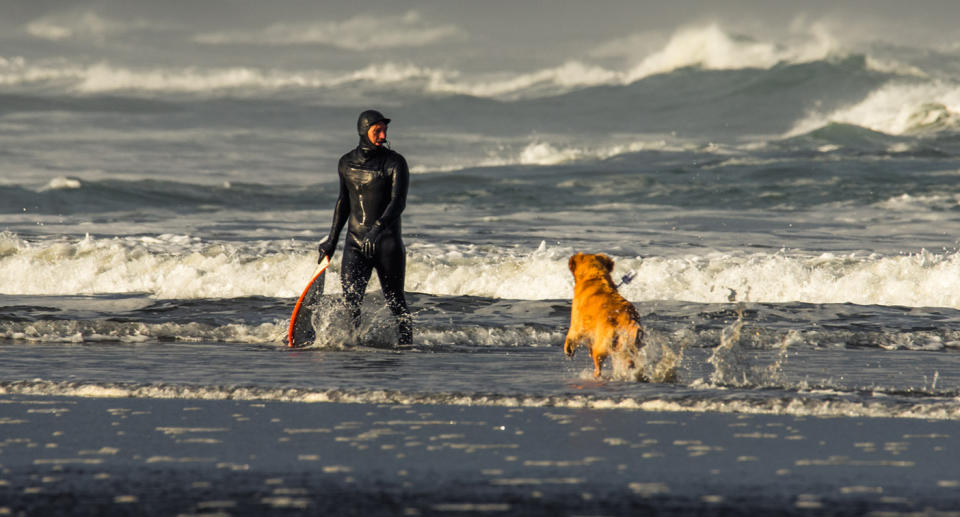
[600, 318]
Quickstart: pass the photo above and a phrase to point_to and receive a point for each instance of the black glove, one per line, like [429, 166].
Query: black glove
[326, 248]
[369, 244]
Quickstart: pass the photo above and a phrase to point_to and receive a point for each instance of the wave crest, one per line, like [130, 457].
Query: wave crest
[709, 47]
[896, 108]
[407, 30]
[183, 267]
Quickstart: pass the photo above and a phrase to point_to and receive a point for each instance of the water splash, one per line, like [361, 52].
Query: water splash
[656, 361]
[334, 330]
[734, 365]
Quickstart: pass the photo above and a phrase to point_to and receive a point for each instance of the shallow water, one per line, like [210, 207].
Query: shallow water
[800, 359]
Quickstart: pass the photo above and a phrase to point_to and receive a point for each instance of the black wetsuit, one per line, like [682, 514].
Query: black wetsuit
[373, 194]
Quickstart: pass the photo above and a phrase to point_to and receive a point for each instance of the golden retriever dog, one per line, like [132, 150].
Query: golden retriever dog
[600, 318]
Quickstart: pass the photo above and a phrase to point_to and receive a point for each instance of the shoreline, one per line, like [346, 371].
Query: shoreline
[97, 456]
[798, 405]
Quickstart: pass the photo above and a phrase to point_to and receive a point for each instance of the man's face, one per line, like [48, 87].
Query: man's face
[377, 134]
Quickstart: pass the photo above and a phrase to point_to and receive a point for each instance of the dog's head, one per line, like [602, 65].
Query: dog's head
[585, 265]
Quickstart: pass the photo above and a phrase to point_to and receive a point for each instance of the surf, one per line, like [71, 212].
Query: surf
[186, 267]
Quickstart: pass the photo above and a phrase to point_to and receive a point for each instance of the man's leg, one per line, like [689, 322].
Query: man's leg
[355, 272]
[391, 270]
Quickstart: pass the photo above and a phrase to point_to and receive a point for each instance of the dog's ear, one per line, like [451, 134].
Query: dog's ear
[572, 263]
[607, 262]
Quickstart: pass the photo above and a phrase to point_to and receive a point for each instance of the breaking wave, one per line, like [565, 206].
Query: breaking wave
[184, 267]
[708, 47]
[896, 108]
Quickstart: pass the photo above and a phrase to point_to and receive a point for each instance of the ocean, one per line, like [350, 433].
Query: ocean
[791, 210]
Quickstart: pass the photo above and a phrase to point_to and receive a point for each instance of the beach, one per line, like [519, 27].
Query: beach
[129, 456]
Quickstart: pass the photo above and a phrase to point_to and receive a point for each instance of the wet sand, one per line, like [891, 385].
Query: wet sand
[125, 456]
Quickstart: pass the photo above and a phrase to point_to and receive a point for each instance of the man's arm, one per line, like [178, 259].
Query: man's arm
[400, 181]
[341, 212]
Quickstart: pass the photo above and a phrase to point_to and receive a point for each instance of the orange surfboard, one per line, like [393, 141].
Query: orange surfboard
[301, 331]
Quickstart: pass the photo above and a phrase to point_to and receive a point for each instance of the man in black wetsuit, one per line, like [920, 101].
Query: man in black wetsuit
[373, 194]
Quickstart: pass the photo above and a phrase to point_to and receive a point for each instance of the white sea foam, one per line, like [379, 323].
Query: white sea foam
[85, 25]
[378, 330]
[543, 151]
[540, 152]
[919, 203]
[103, 76]
[798, 404]
[167, 266]
[100, 331]
[921, 279]
[708, 46]
[184, 267]
[713, 48]
[356, 33]
[409, 29]
[63, 183]
[896, 108]
[567, 76]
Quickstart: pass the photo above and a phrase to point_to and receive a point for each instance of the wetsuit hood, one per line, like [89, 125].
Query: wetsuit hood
[367, 119]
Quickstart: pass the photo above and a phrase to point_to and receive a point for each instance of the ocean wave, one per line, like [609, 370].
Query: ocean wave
[896, 108]
[495, 324]
[920, 203]
[86, 25]
[166, 266]
[406, 30]
[706, 47]
[67, 195]
[711, 47]
[541, 151]
[915, 280]
[63, 183]
[813, 403]
[183, 267]
[375, 333]
[104, 77]
[105, 332]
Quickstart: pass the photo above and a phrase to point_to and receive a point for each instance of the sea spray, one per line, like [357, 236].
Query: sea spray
[334, 328]
[185, 267]
[734, 364]
[655, 361]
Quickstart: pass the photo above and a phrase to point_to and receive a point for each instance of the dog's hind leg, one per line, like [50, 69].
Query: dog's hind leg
[603, 344]
[598, 364]
[573, 340]
[629, 341]
[625, 348]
